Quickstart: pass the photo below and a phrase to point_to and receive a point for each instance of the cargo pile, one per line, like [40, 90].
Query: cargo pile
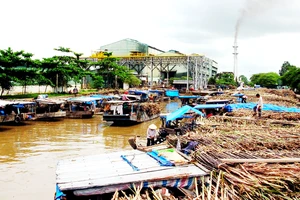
[150, 108]
[248, 157]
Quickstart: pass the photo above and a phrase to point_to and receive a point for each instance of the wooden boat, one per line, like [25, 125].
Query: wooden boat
[99, 176]
[7, 114]
[192, 100]
[25, 111]
[49, 109]
[79, 107]
[99, 99]
[130, 112]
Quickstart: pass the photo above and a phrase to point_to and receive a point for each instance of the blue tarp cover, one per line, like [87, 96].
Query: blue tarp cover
[269, 107]
[58, 194]
[181, 111]
[238, 95]
[207, 106]
[156, 91]
[162, 160]
[172, 93]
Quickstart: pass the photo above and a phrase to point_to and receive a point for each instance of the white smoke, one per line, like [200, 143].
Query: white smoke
[252, 8]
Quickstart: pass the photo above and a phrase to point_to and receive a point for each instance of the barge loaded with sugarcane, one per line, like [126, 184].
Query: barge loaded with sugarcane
[130, 112]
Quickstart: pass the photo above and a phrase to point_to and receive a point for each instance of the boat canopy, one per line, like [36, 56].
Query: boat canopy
[157, 91]
[4, 103]
[100, 96]
[181, 111]
[138, 92]
[49, 101]
[119, 102]
[81, 99]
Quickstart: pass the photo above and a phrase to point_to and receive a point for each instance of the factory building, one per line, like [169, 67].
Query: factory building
[154, 66]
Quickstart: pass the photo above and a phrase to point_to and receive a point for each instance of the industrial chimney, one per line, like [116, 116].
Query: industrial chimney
[235, 64]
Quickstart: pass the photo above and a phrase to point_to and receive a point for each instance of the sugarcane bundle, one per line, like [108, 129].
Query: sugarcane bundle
[150, 108]
[256, 179]
[284, 93]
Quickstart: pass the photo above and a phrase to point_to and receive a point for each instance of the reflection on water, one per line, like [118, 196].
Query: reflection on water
[29, 153]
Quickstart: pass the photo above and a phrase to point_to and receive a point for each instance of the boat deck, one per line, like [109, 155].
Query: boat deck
[99, 174]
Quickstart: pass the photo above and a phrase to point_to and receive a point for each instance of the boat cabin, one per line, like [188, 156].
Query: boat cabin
[25, 110]
[7, 113]
[79, 107]
[49, 109]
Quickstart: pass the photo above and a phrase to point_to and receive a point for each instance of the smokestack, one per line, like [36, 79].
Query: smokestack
[235, 64]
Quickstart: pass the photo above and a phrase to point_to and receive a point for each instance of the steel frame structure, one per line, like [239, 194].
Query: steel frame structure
[197, 66]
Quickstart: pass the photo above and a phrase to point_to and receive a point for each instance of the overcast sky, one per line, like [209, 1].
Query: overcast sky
[268, 31]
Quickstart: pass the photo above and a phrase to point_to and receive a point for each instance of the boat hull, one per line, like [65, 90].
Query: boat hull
[79, 114]
[51, 116]
[127, 119]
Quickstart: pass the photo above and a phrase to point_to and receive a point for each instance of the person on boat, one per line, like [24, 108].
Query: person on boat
[259, 106]
[151, 98]
[151, 134]
[125, 98]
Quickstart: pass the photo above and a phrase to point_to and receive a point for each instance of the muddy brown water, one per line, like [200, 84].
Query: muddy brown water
[29, 153]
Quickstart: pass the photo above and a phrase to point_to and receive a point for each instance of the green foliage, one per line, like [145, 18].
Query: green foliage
[225, 78]
[98, 82]
[16, 66]
[269, 80]
[133, 80]
[244, 79]
[110, 70]
[292, 78]
[212, 81]
[285, 67]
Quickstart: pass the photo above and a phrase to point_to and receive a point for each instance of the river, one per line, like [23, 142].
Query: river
[29, 153]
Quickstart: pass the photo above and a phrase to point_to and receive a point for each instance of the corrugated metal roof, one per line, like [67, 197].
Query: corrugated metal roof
[111, 169]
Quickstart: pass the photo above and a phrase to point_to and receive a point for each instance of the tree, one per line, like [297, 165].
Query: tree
[269, 79]
[112, 72]
[292, 78]
[244, 79]
[212, 81]
[64, 68]
[16, 66]
[285, 67]
[225, 78]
